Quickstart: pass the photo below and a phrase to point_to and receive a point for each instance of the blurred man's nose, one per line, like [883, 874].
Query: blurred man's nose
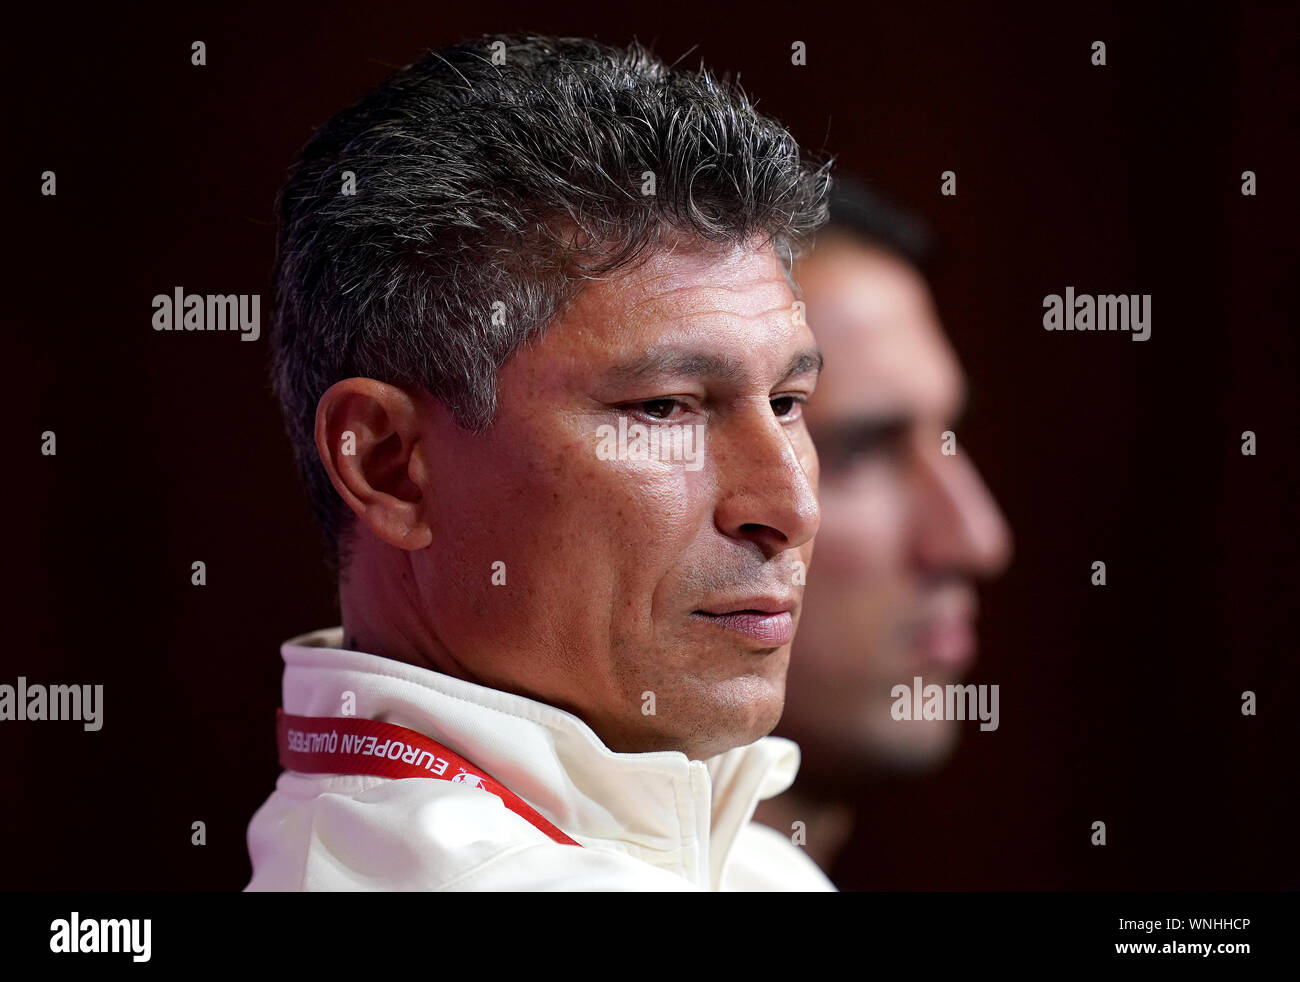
[957, 526]
[766, 494]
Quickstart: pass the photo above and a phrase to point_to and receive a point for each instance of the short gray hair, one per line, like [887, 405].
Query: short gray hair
[503, 171]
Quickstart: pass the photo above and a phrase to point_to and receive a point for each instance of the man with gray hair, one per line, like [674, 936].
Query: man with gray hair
[506, 280]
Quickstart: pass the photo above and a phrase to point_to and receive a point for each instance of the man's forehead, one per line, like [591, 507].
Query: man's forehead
[886, 349]
[889, 375]
[688, 306]
[746, 281]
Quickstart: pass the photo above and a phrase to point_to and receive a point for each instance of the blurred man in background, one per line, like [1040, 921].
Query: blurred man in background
[906, 530]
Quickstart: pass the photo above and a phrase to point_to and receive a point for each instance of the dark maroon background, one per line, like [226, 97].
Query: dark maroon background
[1120, 704]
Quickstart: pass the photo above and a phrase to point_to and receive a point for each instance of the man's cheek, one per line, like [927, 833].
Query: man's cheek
[812, 466]
[654, 500]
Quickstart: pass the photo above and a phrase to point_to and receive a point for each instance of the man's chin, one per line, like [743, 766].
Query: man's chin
[894, 748]
[915, 746]
[741, 712]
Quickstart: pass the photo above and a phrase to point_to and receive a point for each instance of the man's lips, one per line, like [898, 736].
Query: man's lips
[768, 619]
[948, 644]
[940, 636]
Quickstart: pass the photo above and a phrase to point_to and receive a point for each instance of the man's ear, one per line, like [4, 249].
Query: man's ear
[368, 437]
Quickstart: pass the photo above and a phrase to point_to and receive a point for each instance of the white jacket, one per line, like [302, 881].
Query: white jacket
[646, 821]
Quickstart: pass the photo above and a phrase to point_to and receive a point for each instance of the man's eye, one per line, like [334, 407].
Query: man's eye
[790, 406]
[865, 452]
[657, 408]
[887, 443]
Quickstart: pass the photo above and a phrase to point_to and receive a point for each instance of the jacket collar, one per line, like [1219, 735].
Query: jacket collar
[659, 807]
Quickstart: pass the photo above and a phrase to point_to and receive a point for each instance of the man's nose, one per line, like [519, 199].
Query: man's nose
[767, 484]
[957, 525]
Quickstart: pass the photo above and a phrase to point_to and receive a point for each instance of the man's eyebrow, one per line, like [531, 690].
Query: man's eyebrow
[659, 363]
[864, 429]
[804, 362]
[700, 364]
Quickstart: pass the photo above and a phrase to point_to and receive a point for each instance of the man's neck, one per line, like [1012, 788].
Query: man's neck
[820, 825]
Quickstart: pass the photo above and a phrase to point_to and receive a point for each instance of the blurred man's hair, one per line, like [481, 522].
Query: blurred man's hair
[875, 220]
[491, 179]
